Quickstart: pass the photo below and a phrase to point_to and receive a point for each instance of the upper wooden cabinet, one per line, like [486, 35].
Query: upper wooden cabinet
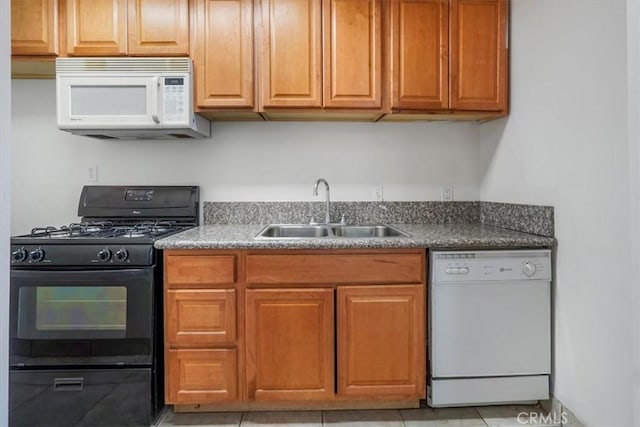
[34, 27]
[321, 53]
[291, 68]
[158, 27]
[448, 55]
[223, 53]
[479, 55]
[153, 27]
[352, 53]
[96, 27]
[418, 48]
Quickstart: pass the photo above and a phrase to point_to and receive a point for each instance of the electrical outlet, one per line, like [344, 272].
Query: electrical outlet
[92, 173]
[447, 193]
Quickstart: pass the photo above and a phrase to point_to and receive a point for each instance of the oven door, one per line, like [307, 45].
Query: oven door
[81, 317]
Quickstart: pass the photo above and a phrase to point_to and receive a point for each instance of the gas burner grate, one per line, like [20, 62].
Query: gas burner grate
[107, 229]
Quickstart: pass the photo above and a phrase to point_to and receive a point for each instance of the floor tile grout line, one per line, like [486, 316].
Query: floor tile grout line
[475, 408]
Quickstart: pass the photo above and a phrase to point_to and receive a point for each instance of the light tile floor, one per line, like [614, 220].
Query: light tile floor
[486, 416]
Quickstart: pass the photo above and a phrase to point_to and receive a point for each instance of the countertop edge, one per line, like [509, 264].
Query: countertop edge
[445, 236]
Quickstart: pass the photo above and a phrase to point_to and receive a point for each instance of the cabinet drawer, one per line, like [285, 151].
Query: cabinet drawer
[201, 376]
[201, 317]
[383, 268]
[186, 271]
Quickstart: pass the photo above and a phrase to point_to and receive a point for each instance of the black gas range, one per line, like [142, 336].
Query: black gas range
[86, 335]
[118, 227]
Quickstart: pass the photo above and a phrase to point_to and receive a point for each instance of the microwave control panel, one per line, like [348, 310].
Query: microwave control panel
[175, 99]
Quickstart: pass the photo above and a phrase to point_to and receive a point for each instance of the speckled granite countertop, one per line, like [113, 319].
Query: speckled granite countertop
[462, 236]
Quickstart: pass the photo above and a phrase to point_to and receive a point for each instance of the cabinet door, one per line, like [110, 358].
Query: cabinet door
[223, 53]
[419, 54]
[479, 55]
[201, 376]
[158, 27]
[381, 340]
[292, 61]
[34, 27]
[352, 51]
[289, 339]
[202, 317]
[96, 27]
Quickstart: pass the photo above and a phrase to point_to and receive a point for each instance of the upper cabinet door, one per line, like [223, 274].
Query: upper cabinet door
[223, 53]
[292, 61]
[97, 27]
[158, 27]
[352, 53]
[34, 27]
[419, 42]
[479, 55]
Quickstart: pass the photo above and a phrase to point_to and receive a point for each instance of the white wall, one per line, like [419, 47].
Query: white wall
[5, 204]
[565, 144]
[633, 69]
[242, 161]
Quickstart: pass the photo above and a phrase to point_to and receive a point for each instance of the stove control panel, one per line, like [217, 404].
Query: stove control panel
[94, 255]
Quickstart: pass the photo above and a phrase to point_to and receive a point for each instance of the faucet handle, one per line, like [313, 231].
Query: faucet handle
[343, 220]
[312, 220]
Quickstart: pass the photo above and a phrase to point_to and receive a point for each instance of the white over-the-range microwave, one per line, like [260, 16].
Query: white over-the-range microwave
[128, 98]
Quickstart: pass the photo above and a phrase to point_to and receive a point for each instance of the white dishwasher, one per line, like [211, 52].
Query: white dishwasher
[489, 327]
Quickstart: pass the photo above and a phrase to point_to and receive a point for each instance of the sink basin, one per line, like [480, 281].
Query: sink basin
[292, 231]
[304, 231]
[363, 231]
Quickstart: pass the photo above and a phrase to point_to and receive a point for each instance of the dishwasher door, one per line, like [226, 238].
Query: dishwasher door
[490, 328]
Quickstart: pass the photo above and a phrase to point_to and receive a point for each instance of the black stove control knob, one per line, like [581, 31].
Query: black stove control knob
[37, 255]
[104, 255]
[122, 254]
[19, 255]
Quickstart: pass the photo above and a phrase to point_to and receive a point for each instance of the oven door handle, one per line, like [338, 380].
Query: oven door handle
[68, 384]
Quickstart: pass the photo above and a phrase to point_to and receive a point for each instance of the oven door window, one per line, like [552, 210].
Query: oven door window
[68, 311]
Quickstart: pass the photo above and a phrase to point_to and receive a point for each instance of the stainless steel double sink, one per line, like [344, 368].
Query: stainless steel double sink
[319, 231]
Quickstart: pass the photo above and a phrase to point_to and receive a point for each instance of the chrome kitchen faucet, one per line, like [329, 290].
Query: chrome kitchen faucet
[315, 193]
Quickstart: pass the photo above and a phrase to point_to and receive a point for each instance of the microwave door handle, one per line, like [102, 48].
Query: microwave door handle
[155, 91]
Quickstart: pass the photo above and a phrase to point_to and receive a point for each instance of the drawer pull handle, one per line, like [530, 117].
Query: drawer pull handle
[68, 384]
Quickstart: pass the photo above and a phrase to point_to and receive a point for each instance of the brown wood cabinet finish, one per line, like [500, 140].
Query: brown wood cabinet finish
[34, 27]
[418, 47]
[352, 53]
[291, 68]
[96, 27]
[158, 27]
[201, 376]
[286, 327]
[326, 268]
[223, 53]
[200, 318]
[289, 344]
[380, 340]
[479, 55]
[190, 271]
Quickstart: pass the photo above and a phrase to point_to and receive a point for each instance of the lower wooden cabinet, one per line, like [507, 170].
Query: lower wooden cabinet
[289, 344]
[325, 326]
[201, 376]
[380, 336]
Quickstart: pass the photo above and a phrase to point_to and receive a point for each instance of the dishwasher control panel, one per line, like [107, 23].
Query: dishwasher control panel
[468, 266]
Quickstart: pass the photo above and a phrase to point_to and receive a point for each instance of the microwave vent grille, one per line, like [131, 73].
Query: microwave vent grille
[123, 65]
